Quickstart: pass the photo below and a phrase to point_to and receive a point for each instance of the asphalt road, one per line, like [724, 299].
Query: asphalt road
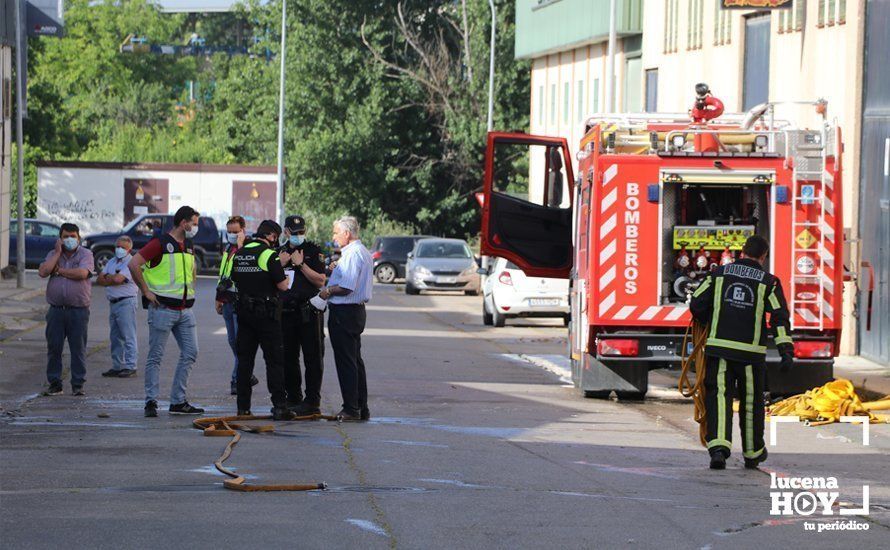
[472, 444]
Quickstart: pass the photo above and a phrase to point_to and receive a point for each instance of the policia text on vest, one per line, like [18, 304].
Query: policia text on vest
[259, 276]
[735, 300]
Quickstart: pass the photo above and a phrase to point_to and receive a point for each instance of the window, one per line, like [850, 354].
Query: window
[832, 4]
[580, 94]
[540, 105]
[47, 230]
[792, 19]
[695, 22]
[565, 103]
[596, 95]
[722, 26]
[553, 104]
[831, 12]
[652, 90]
[671, 14]
[841, 11]
[443, 249]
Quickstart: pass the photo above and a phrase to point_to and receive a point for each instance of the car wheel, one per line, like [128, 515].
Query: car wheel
[199, 261]
[385, 273]
[498, 318]
[411, 289]
[487, 318]
[101, 258]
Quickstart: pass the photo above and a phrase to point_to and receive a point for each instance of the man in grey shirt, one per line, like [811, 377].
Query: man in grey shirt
[69, 268]
[122, 293]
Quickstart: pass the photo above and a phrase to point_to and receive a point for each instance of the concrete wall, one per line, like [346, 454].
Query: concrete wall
[6, 111]
[94, 197]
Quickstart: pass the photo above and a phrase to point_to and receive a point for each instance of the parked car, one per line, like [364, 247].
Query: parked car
[508, 293]
[208, 248]
[442, 264]
[391, 255]
[40, 238]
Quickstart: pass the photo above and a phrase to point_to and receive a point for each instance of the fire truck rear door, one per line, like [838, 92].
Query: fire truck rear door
[527, 206]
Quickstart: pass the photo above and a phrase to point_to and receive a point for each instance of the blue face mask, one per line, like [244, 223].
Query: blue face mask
[232, 238]
[297, 240]
[70, 243]
[121, 252]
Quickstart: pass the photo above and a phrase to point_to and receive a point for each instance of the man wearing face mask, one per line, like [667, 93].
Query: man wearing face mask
[227, 292]
[302, 325]
[122, 293]
[166, 271]
[257, 272]
[69, 268]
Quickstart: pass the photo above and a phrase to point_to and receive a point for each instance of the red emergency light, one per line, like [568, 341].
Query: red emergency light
[813, 349]
[618, 347]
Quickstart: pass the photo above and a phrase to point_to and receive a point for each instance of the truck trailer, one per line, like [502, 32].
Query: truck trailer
[659, 201]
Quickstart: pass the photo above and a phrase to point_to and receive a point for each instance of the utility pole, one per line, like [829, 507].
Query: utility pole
[610, 58]
[280, 197]
[20, 146]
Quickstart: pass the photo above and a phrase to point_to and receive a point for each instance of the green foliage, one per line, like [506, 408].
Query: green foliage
[365, 133]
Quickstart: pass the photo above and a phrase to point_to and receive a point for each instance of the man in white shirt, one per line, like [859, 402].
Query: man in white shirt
[349, 288]
[122, 293]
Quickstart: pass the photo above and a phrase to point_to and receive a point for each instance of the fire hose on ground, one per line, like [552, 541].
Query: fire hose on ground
[229, 426]
[821, 405]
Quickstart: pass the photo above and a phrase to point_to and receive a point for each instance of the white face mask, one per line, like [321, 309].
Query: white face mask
[121, 252]
[232, 238]
[192, 232]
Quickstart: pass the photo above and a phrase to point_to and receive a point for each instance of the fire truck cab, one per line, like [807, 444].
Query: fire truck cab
[659, 201]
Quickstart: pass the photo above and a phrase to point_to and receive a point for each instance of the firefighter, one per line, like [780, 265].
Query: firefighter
[302, 325]
[257, 272]
[735, 300]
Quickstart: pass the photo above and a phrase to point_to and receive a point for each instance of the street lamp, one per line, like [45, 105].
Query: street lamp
[19, 143]
[280, 196]
[491, 66]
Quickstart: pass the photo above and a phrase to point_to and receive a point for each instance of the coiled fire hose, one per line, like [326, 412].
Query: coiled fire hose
[828, 403]
[695, 360]
[228, 426]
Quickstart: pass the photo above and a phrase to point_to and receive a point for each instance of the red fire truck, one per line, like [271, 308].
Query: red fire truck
[660, 200]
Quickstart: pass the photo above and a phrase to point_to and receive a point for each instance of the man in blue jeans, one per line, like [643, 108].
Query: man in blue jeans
[69, 268]
[122, 293]
[165, 270]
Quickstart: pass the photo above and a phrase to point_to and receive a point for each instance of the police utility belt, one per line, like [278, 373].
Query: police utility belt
[263, 307]
[304, 309]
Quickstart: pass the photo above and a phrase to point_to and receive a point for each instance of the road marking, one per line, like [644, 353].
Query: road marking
[367, 526]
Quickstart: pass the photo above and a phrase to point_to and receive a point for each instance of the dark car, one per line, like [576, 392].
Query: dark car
[40, 238]
[208, 248]
[391, 254]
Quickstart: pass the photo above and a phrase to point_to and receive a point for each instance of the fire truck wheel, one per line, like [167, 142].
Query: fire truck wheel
[411, 289]
[630, 395]
[597, 394]
[487, 318]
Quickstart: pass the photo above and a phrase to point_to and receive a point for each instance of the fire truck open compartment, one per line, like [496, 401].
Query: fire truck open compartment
[706, 219]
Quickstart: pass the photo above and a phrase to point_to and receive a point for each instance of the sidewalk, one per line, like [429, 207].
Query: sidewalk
[21, 308]
[868, 375]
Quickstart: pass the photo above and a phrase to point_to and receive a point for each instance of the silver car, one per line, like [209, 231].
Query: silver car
[441, 264]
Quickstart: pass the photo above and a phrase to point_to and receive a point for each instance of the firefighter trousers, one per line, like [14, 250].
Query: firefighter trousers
[723, 379]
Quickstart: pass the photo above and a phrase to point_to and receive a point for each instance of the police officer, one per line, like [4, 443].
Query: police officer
[301, 324]
[735, 300]
[257, 272]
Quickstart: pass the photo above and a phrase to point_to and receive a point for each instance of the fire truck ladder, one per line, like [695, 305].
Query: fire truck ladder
[809, 166]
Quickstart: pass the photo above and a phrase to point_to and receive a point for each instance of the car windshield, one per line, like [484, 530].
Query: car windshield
[443, 250]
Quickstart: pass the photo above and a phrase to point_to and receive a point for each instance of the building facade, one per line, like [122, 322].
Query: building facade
[812, 49]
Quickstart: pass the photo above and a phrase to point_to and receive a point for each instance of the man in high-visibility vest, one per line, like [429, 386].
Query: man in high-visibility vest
[735, 300]
[165, 271]
[259, 276]
[227, 292]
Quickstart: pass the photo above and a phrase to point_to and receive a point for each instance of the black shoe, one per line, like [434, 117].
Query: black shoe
[234, 387]
[151, 409]
[55, 388]
[305, 409]
[111, 373]
[254, 380]
[282, 413]
[366, 414]
[77, 390]
[751, 463]
[344, 416]
[718, 459]
[185, 408]
[126, 373]
[244, 413]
